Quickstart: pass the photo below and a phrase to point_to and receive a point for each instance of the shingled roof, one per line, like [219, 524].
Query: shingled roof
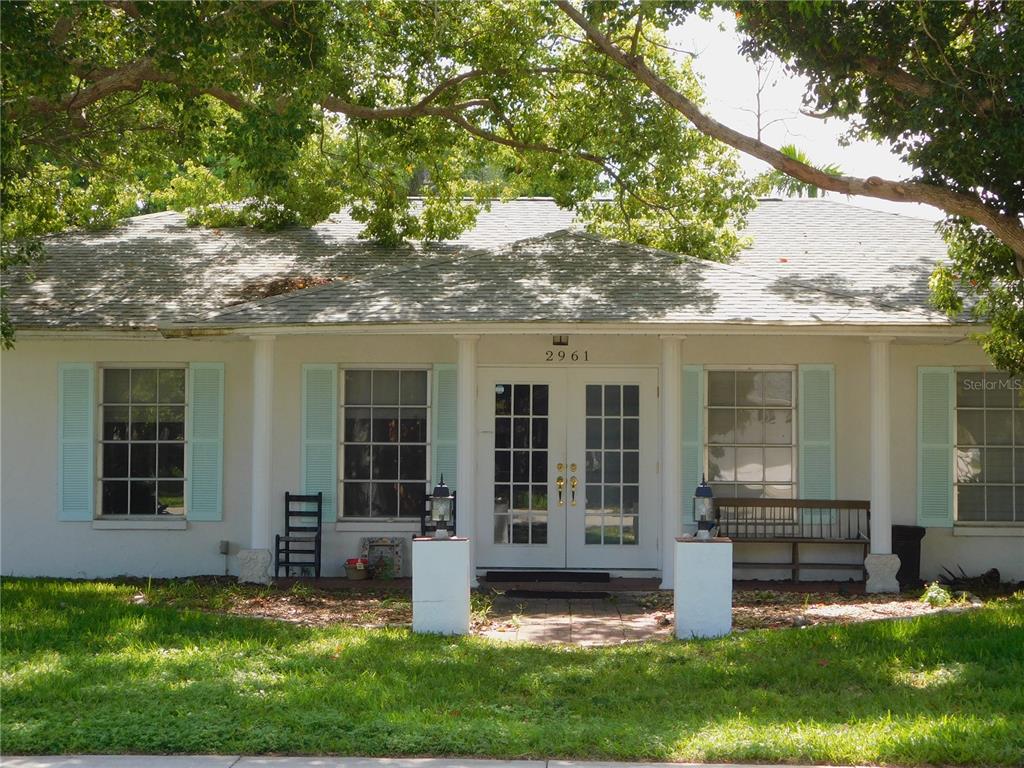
[812, 262]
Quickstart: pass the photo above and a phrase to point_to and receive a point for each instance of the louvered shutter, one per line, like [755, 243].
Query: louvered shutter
[936, 401]
[817, 432]
[76, 438]
[693, 432]
[206, 443]
[444, 437]
[320, 434]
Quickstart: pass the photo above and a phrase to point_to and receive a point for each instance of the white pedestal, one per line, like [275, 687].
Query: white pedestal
[440, 586]
[254, 566]
[703, 587]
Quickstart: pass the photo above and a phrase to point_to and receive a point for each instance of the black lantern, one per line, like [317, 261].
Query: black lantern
[704, 509]
[442, 510]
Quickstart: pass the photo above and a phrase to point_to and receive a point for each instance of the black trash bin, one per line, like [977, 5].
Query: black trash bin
[906, 544]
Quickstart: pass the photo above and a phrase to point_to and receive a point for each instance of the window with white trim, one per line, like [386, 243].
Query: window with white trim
[751, 437]
[142, 441]
[989, 447]
[384, 457]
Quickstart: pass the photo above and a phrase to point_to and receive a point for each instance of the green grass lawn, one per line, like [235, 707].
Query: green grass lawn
[86, 670]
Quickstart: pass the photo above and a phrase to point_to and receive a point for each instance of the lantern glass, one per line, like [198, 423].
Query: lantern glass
[703, 507]
[441, 509]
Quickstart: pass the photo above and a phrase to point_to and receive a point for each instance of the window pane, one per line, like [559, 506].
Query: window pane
[385, 425]
[502, 466]
[593, 496]
[414, 425]
[631, 400]
[999, 503]
[115, 460]
[115, 422]
[143, 497]
[115, 498]
[612, 467]
[414, 387]
[539, 470]
[970, 427]
[968, 465]
[143, 460]
[998, 390]
[593, 433]
[116, 385]
[520, 529]
[631, 499]
[171, 497]
[998, 427]
[539, 437]
[385, 388]
[411, 499]
[521, 399]
[356, 499]
[778, 491]
[413, 463]
[172, 385]
[612, 400]
[384, 502]
[384, 462]
[593, 399]
[612, 433]
[502, 433]
[539, 529]
[143, 422]
[778, 388]
[749, 491]
[170, 459]
[520, 466]
[749, 426]
[357, 387]
[998, 465]
[357, 462]
[970, 503]
[1018, 469]
[721, 388]
[144, 384]
[357, 425]
[521, 433]
[503, 399]
[970, 390]
[749, 464]
[1018, 427]
[631, 433]
[172, 422]
[520, 497]
[630, 530]
[630, 467]
[721, 463]
[593, 466]
[749, 388]
[540, 399]
[721, 426]
[778, 464]
[778, 427]
[539, 498]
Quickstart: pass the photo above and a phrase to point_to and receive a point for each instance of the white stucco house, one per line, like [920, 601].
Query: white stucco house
[572, 389]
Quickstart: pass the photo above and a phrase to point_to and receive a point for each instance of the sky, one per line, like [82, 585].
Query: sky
[730, 85]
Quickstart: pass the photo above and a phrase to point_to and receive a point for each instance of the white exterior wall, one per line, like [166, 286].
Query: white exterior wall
[33, 542]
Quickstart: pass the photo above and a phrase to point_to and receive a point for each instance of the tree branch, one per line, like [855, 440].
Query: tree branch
[1006, 228]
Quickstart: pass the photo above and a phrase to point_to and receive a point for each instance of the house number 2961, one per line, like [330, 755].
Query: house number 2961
[562, 355]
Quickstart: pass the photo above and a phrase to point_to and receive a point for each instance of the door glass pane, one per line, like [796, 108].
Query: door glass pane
[611, 476]
[521, 509]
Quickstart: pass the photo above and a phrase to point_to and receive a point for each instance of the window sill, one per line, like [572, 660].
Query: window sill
[378, 524]
[988, 529]
[119, 524]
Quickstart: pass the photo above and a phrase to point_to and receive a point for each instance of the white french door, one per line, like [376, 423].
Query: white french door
[568, 468]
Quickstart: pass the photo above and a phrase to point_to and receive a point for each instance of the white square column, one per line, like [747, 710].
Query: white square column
[881, 565]
[703, 587]
[254, 563]
[671, 465]
[440, 585]
[465, 461]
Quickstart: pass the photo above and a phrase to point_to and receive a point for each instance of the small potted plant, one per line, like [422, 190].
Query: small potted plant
[356, 568]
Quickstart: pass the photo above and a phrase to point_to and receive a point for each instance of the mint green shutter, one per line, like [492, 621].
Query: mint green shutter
[817, 432]
[693, 432]
[445, 432]
[206, 443]
[320, 434]
[76, 439]
[936, 401]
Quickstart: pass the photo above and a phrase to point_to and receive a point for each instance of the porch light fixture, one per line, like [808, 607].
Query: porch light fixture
[704, 509]
[559, 341]
[442, 505]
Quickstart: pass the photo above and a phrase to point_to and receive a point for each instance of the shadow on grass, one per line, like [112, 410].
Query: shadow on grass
[85, 670]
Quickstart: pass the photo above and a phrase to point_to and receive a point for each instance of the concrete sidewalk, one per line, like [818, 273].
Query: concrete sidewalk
[236, 761]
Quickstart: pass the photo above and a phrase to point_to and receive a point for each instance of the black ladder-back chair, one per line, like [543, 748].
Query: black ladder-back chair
[302, 534]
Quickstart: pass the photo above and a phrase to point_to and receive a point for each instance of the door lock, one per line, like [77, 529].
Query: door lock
[572, 489]
[560, 484]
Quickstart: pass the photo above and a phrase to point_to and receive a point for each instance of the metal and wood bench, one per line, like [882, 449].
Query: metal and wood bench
[796, 522]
